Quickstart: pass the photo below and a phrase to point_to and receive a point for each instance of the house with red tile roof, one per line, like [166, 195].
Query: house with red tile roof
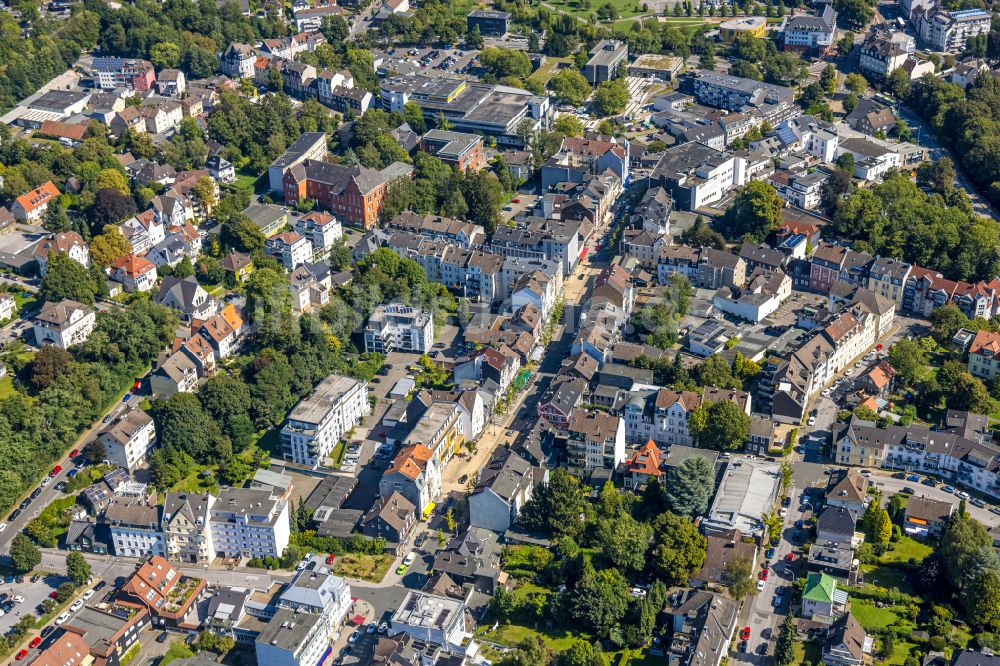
[30, 207]
[163, 591]
[414, 474]
[135, 273]
[984, 355]
[644, 464]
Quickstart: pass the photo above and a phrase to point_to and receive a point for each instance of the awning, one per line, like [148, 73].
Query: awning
[358, 620]
[326, 654]
[583, 252]
[427, 510]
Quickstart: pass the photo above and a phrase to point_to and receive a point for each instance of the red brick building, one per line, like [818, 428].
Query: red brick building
[353, 194]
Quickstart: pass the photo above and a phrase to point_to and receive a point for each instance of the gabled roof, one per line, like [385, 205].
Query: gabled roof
[132, 265]
[40, 196]
[820, 587]
[837, 520]
[60, 243]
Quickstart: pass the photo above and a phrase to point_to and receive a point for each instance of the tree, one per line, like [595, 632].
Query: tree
[23, 554]
[721, 425]
[834, 188]
[213, 642]
[700, 234]
[239, 233]
[414, 117]
[77, 568]
[570, 87]
[112, 179]
[569, 125]
[784, 647]
[66, 278]
[204, 191]
[883, 528]
[94, 451]
[690, 487]
[483, 194]
[55, 219]
[580, 653]
[49, 364]
[529, 652]
[474, 38]
[556, 508]
[945, 322]
[982, 604]
[755, 212]
[962, 542]
[828, 79]
[678, 549]
[909, 359]
[107, 247]
[854, 14]
[856, 83]
[714, 371]
[111, 207]
[938, 175]
[623, 541]
[335, 29]
[739, 577]
[165, 55]
[599, 600]
[611, 97]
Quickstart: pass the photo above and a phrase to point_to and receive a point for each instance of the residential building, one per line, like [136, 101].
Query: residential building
[802, 32]
[435, 619]
[701, 626]
[847, 643]
[505, 486]
[238, 60]
[924, 517]
[239, 264]
[354, 194]
[821, 597]
[644, 464]
[761, 296]
[984, 355]
[187, 296]
[887, 277]
[317, 422]
[847, 489]
[63, 324]
[220, 169]
[416, 475]
[456, 149]
[290, 249]
[111, 631]
[129, 439]
[129, 73]
[310, 286]
[660, 415]
[735, 94]
[837, 525]
[399, 327]
[174, 373]
[162, 590]
[321, 230]
[8, 307]
[950, 31]
[171, 83]
[66, 649]
[223, 331]
[710, 337]
[970, 463]
[249, 522]
[135, 530]
[185, 526]
[142, 231]
[605, 58]
[579, 158]
[561, 398]
[880, 55]
[489, 22]
[720, 550]
[696, 175]
[463, 234]
[134, 273]
[391, 518]
[439, 428]
[316, 591]
[65, 243]
[596, 440]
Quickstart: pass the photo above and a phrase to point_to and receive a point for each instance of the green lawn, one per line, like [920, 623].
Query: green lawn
[906, 549]
[870, 616]
[900, 652]
[548, 69]
[626, 8]
[512, 634]
[196, 483]
[888, 577]
[807, 652]
[7, 387]
[24, 301]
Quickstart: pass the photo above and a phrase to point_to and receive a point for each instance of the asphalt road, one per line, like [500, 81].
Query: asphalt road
[890, 486]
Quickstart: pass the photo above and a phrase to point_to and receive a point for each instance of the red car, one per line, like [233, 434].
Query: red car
[763, 574]
[789, 557]
[878, 347]
[74, 453]
[745, 634]
[55, 470]
[53, 594]
[330, 558]
[21, 655]
[515, 201]
[35, 642]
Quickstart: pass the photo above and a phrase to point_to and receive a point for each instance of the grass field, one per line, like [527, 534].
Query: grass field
[905, 550]
[626, 8]
[548, 69]
[7, 387]
[364, 567]
[872, 617]
[887, 577]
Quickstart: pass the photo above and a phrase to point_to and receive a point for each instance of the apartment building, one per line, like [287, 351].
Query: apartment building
[135, 529]
[354, 194]
[775, 103]
[129, 73]
[887, 278]
[605, 58]
[185, 526]
[238, 60]
[309, 146]
[317, 422]
[965, 462]
[399, 327]
[580, 157]
[804, 32]
[67, 243]
[696, 175]
[416, 475]
[31, 207]
[290, 249]
[440, 429]
[321, 230]
[984, 355]
[249, 522]
[129, 439]
[596, 440]
[950, 31]
[63, 324]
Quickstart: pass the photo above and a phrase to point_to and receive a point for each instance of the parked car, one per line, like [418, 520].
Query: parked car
[35, 642]
[61, 620]
[907, 490]
[930, 482]
[948, 489]
[163, 637]
[761, 584]
[745, 634]
[100, 585]
[21, 654]
[55, 471]
[899, 475]
[913, 477]
[962, 495]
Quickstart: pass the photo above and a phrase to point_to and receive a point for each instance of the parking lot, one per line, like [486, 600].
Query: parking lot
[425, 60]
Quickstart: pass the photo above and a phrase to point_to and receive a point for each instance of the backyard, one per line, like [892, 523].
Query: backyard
[363, 567]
